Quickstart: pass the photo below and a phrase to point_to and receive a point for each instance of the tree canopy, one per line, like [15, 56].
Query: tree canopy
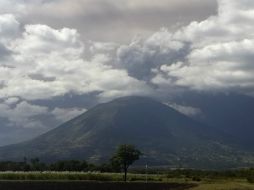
[125, 156]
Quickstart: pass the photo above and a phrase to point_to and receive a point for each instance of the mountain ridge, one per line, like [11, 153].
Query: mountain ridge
[166, 136]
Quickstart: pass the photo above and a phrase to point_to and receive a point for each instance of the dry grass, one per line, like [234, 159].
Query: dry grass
[224, 185]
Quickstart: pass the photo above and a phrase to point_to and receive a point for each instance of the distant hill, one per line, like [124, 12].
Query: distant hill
[230, 113]
[165, 136]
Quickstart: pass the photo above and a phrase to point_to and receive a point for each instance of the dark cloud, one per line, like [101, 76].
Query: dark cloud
[4, 52]
[141, 57]
[70, 100]
[2, 84]
[41, 77]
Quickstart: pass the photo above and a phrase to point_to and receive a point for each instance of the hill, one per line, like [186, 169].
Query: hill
[165, 136]
[229, 113]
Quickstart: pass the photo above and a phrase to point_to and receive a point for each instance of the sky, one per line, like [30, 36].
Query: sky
[58, 58]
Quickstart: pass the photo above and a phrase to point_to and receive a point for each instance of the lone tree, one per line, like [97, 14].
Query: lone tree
[125, 156]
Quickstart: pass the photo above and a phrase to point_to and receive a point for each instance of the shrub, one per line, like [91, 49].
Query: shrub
[196, 179]
[250, 179]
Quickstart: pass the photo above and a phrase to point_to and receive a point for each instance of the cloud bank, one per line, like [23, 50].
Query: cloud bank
[41, 62]
[221, 56]
[96, 18]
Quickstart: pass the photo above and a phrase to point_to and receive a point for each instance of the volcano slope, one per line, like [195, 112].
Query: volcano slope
[165, 136]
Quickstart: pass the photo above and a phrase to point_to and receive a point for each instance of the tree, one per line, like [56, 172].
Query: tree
[125, 156]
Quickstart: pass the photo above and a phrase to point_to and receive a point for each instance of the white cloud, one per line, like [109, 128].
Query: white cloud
[64, 115]
[44, 62]
[22, 114]
[12, 6]
[41, 39]
[11, 100]
[221, 56]
[186, 110]
[47, 62]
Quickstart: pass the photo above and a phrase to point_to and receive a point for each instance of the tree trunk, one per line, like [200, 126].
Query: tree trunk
[125, 173]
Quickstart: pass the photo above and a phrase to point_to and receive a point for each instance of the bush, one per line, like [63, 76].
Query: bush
[196, 179]
[250, 179]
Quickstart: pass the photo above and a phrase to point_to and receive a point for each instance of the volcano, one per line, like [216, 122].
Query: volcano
[165, 136]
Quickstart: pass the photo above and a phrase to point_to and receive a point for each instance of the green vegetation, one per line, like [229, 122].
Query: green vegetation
[36, 165]
[196, 180]
[163, 176]
[52, 176]
[109, 173]
[66, 173]
[250, 179]
[203, 183]
[235, 184]
[84, 170]
[125, 156]
[86, 176]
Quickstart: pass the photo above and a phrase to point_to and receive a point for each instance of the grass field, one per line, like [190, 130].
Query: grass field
[83, 176]
[93, 180]
[224, 185]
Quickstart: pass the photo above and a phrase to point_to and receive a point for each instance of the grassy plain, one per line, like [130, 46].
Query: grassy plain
[114, 181]
[228, 184]
[81, 176]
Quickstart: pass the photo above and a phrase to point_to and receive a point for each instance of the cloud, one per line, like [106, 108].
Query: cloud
[4, 52]
[56, 57]
[11, 100]
[209, 55]
[45, 57]
[143, 55]
[43, 63]
[96, 18]
[64, 115]
[41, 39]
[9, 28]
[186, 110]
[12, 6]
[221, 52]
[22, 114]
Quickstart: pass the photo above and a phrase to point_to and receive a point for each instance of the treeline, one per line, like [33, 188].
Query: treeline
[201, 174]
[125, 155]
[82, 166]
[198, 175]
[64, 165]
[77, 165]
